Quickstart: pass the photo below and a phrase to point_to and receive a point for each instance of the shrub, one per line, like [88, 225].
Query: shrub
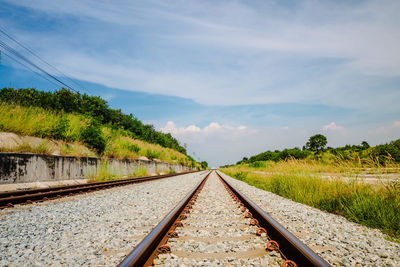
[132, 147]
[151, 154]
[93, 137]
[257, 164]
[64, 100]
[59, 130]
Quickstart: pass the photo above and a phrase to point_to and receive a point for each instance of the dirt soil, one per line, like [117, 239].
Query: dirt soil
[11, 142]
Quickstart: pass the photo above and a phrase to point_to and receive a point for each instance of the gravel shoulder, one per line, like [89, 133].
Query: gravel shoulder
[334, 238]
[97, 228]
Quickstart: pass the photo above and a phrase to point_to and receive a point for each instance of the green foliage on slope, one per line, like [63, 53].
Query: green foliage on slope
[91, 107]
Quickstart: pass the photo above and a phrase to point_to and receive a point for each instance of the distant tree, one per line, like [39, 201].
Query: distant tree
[364, 145]
[316, 143]
[204, 164]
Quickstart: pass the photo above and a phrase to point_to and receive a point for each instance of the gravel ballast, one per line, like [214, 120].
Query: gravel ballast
[97, 228]
[216, 233]
[334, 238]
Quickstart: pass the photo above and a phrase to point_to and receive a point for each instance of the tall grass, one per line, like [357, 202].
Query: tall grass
[121, 147]
[38, 122]
[376, 206]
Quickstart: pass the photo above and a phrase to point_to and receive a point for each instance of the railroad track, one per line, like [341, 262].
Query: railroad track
[215, 224]
[9, 199]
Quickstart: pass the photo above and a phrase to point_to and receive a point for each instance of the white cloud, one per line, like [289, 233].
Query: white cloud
[396, 124]
[363, 35]
[222, 144]
[171, 128]
[212, 128]
[332, 127]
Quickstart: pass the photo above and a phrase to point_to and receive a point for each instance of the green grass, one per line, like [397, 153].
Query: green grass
[67, 128]
[140, 172]
[376, 206]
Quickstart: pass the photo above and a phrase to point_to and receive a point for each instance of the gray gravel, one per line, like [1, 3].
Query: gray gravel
[340, 242]
[217, 234]
[97, 228]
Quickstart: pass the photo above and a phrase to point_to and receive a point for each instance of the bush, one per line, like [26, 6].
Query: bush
[64, 100]
[59, 131]
[204, 164]
[257, 164]
[132, 147]
[93, 137]
[152, 154]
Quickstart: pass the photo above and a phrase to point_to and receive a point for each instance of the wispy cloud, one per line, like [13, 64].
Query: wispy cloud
[396, 124]
[212, 128]
[310, 52]
[332, 127]
[339, 55]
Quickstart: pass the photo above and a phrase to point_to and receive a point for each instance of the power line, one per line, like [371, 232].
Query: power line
[11, 37]
[29, 68]
[18, 55]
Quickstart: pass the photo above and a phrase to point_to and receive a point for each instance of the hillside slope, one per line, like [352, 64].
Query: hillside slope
[32, 128]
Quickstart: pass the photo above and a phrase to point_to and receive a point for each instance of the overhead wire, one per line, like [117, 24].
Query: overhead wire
[20, 56]
[29, 68]
[10, 36]
[17, 54]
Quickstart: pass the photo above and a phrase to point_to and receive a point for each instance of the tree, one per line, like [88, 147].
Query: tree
[364, 145]
[204, 164]
[316, 143]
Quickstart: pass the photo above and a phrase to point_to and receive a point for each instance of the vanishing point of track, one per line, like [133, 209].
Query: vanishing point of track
[185, 232]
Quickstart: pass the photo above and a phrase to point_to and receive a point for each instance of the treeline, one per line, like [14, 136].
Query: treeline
[93, 107]
[277, 155]
[315, 148]
[382, 154]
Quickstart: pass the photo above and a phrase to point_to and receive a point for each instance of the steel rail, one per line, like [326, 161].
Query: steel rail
[143, 254]
[9, 199]
[40, 190]
[288, 243]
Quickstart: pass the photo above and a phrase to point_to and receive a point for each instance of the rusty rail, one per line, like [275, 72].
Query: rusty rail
[298, 254]
[288, 243]
[9, 199]
[147, 250]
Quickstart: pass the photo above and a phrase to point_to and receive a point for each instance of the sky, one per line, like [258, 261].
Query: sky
[227, 78]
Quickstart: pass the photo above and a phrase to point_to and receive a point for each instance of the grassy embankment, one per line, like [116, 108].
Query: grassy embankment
[374, 205]
[34, 121]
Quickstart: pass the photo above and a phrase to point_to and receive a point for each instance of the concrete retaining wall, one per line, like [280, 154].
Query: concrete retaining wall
[25, 167]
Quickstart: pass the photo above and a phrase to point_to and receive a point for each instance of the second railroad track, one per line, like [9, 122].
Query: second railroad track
[9, 199]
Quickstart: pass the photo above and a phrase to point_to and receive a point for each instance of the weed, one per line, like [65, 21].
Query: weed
[151, 154]
[376, 206]
[140, 172]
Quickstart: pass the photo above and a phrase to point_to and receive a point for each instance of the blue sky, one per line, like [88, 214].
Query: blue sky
[228, 78]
